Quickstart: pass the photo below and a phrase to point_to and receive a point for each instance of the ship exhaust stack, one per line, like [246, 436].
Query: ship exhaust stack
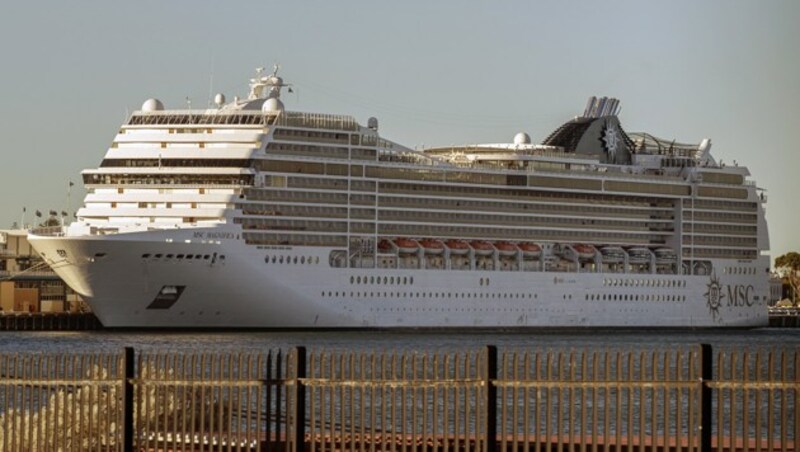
[601, 107]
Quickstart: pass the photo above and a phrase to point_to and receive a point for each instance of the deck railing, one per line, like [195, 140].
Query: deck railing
[680, 398]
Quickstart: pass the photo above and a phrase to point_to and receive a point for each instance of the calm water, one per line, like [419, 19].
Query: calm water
[109, 341]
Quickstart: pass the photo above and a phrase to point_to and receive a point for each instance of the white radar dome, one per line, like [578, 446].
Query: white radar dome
[522, 138]
[152, 105]
[272, 104]
[372, 123]
[219, 100]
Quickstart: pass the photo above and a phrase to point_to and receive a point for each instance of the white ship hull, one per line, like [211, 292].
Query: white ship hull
[244, 291]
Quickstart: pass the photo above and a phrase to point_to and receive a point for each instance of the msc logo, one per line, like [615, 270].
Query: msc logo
[714, 296]
[738, 296]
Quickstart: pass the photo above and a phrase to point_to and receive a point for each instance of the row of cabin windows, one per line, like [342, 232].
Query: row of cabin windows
[184, 257]
[720, 205]
[478, 192]
[445, 217]
[294, 260]
[739, 270]
[635, 297]
[720, 241]
[644, 282]
[431, 295]
[390, 280]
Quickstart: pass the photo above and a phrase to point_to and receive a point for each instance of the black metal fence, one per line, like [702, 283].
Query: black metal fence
[685, 398]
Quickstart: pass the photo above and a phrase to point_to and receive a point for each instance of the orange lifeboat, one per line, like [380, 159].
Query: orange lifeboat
[384, 246]
[432, 246]
[584, 251]
[506, 249]
[406, 245]
[481, 247]
[457, 246]
[530, 249]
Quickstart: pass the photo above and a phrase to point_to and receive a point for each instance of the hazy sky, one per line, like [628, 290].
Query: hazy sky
[434, 73]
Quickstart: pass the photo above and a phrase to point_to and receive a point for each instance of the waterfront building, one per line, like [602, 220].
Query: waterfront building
[27, 283]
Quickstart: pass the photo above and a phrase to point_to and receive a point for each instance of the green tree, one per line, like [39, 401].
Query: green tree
[788, 267]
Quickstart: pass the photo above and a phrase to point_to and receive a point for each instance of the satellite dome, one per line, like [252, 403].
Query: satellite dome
[219, 99]
[152, 104]
[272, 104]
[522, 138]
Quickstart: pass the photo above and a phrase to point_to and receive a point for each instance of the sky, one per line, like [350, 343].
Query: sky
[433, 73]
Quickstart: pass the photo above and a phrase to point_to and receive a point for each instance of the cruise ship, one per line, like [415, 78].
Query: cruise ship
[248, 215]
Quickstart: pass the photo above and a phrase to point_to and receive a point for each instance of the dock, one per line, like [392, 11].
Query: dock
[48, 321]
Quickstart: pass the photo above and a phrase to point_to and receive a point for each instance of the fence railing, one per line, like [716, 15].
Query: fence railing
[681, 398]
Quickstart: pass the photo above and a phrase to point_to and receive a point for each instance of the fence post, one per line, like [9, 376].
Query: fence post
[127, 400]
[706, 368]
[491, 398]
[299, 399]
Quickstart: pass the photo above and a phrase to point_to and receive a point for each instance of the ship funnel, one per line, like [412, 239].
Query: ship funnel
[600, 107]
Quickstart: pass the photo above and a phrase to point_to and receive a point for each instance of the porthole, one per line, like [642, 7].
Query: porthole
[302, 259]
[352, 279]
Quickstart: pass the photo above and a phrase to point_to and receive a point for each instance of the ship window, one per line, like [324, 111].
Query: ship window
[169, 256]
[179, 256]
[145, 256]
[280, 261]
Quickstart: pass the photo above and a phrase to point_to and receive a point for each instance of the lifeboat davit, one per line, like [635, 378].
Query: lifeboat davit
[530, 249]
[457, 246]
[612, 254]
[584, 251]
[432, 246]
[506, 249]
[406, 245]
[665, 255]
[481, 247]
[639, 255]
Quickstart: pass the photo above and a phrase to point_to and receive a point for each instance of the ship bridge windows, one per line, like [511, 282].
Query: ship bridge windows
[170, 162]
[167, 118]
[310, 135]
[171, 179]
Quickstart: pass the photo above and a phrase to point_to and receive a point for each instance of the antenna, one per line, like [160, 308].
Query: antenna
[210, 84]
[210, 89]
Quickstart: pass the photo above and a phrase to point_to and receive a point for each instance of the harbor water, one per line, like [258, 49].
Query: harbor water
[388, 340]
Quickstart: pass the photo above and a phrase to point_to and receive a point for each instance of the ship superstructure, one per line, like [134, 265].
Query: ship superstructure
[248, 215]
